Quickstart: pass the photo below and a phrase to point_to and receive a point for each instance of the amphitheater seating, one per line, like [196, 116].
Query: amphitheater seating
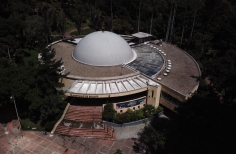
[85, 114]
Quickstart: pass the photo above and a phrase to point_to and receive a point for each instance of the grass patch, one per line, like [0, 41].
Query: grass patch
[70, 25]
[26, 124]
[31, 55]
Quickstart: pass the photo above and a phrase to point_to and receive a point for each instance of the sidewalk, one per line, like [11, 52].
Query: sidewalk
[38, 143]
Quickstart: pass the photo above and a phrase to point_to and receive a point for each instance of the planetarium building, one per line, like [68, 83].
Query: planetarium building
[128, 71]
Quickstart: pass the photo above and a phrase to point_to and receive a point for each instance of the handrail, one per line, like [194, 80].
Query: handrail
[62, 117]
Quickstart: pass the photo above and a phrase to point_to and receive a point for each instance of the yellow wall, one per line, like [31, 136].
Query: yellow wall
[153, 95]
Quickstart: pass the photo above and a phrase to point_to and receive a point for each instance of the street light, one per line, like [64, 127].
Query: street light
[13, 98]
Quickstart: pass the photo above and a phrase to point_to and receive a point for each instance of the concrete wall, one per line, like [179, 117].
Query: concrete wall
[173, 93]
[167, 104]
[153, 95]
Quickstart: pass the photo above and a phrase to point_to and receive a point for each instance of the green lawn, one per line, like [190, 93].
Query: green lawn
[31, 55]
[26, 124]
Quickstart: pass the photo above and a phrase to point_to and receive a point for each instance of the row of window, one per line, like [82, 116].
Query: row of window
[170, 99]
[133, 108]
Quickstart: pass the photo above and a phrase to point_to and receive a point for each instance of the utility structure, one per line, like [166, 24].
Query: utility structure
[20, 128]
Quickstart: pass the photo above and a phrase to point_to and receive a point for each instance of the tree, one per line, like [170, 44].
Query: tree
[108, 112]
[95, 19]
[50, 107]
[154, 140]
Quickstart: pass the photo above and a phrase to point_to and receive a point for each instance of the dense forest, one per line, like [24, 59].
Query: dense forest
[206, 29]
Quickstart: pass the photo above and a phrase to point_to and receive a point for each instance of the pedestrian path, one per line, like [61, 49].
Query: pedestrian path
[34, 142]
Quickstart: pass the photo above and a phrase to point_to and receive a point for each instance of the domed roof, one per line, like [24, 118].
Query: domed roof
[103, 48]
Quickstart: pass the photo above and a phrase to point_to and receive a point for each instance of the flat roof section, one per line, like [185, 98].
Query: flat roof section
[184, 72]
[141, 35]
[94, 87]
[64, 50]
[149, 61]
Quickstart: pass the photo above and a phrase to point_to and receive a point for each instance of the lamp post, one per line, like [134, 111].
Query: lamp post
[13, 98]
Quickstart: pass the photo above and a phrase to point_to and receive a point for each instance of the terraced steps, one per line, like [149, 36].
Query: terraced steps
[85, 121]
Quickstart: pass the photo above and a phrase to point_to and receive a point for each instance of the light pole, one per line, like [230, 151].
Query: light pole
[13, 98]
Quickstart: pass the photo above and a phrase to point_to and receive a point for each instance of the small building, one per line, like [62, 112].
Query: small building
[141, 37]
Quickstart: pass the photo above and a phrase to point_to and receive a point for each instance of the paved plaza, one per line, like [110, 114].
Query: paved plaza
[34, 142]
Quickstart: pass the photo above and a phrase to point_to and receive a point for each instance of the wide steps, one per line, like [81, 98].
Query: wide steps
[86, 114]
[105, 132]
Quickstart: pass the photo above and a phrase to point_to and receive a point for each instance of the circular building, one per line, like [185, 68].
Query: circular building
[128, 71]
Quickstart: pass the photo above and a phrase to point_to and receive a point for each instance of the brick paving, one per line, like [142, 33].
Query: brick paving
[34, 142]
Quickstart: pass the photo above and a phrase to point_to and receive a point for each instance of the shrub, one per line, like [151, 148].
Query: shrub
[159, 109]
[118, 151]
[49, 125]
[109, 112]
[149, 110]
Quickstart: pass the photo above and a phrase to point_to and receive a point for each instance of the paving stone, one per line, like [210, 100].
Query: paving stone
[108, 143]
[59, 141]
[104, 149]
[100, 141]
[39, 149]
[120, 141]
[29, 135]
[80, 139]
[16, 149]
[60, 150]
[45, 143]
[2, 143]
[47, 151]
[38, 139]
[125, 149]
[31, 146]
[2, 151]
[91, 151]
[22, 143]
[52, 146]
[88, 143]
[97, 145]
[117, 145]
[132, 152]
[129, 142]
[112, 151]
[70, 151]
[25, 152]
[7, 147]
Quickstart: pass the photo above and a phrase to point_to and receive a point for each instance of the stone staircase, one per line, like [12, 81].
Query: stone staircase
[85, 121]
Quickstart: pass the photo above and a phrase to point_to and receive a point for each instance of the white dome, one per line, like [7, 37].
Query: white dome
[103, 48]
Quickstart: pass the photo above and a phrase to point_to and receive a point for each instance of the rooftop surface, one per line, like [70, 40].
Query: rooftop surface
[111, 86]
[141, 35]
[184, 70]
[64, 51]
[148, 60]
[182, 77]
